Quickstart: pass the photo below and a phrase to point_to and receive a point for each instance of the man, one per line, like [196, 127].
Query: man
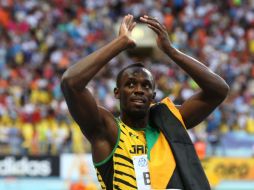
[147, 147]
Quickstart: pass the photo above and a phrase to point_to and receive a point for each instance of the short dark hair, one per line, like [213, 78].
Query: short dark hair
[120, 74]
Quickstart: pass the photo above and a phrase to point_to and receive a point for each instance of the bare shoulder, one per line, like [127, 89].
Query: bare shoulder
[109, 120]
[108, 130]
[105, 141]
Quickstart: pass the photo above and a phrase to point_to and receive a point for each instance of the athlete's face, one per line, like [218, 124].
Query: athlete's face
[135, 92]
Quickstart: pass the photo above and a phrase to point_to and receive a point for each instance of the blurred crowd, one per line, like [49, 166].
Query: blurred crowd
[40, 39]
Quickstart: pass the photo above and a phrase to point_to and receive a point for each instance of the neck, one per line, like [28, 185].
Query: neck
[134, 122]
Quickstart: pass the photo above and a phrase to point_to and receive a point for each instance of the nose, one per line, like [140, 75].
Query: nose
[138, 90]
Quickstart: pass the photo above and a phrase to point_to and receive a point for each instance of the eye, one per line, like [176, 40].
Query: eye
[131, 85]
[147, 86]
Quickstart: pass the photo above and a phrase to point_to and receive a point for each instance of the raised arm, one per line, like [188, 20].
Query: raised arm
[213, 89]
[82, 106]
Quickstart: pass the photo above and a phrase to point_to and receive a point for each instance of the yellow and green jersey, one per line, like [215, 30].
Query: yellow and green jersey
[121, 171]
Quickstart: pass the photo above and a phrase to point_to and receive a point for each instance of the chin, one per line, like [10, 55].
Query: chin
[138, 114]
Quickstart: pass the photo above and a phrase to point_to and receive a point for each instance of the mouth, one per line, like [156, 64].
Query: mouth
[138, 101]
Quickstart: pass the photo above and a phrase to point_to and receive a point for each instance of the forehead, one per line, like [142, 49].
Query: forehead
[137, 72]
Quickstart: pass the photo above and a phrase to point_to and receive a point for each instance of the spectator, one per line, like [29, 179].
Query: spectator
[39, 39]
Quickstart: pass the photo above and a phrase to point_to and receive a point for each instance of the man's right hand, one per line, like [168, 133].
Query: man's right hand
[126, 28]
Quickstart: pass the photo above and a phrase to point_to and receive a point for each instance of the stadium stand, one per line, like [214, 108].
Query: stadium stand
[39, 39]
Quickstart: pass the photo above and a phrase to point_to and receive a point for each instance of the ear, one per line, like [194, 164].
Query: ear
[116, 92]
[154, 94]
